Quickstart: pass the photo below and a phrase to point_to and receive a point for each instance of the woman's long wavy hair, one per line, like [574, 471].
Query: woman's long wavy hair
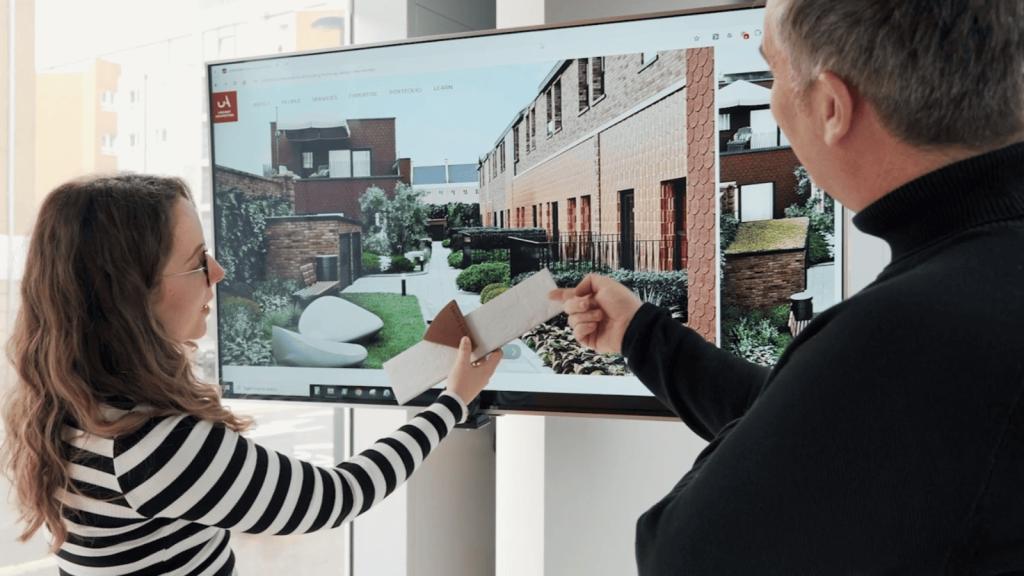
[86, 334]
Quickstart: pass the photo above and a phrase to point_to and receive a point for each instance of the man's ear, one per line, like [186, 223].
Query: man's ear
[833, 104]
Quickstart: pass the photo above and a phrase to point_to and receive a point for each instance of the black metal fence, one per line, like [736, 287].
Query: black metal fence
[592, 251]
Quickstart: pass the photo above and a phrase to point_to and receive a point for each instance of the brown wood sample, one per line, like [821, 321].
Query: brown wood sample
[448, 327]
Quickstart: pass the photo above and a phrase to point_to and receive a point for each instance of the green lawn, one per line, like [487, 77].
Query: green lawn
[403, 324]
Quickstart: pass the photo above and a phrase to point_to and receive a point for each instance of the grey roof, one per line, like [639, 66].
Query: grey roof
[428, 175]
[463, 173]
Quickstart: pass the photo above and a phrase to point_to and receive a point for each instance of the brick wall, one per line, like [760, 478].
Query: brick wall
[701, 223]
[639, 154]
[625, 85]
[296, 240]
[374, 134]
[571, 174]
[765, 165]
[495, 192]
[764, 281]
[252, 185]
[338, 195]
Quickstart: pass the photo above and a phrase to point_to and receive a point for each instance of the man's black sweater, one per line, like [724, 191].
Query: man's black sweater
[889, 438]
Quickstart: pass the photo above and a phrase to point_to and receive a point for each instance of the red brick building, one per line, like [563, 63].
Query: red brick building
[755, 154]
[622, 147]
[336, 160]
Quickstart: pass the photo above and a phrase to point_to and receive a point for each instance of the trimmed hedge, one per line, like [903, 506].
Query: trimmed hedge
[490, 238]
[478, 257]
[371, 263]
[492, 291]
[478, 276]
[400, 263]
[665, 289]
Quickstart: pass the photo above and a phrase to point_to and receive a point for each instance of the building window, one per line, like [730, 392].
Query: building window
[533, 127]
[133, 140]
[307, 159]
[558, 105]
[549, 95]
[107, 98]
[465, 192]
[133, 96]
[584, 84]
[724, 121]
[534, 215]
[107, 144]
[757, 201]
[501, 151]
[596, 78]
[515, 143]
[585, 213]
[361, 163]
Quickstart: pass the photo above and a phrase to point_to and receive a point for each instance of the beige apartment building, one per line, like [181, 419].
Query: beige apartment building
[17, 149]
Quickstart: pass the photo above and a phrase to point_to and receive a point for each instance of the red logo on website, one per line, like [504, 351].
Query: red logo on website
[225, 107]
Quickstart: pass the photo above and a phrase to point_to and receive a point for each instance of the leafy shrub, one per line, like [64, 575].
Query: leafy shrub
[458, 214]
[567, 274]
[760, 338]
[275, 293]
[755, 341]
[481, 256]
[669, 289]
[447, 242]
[280, 317]
[728, 226]
[822, 224]
[376, 243]
[400, 263]
[241, 334]
[455, 259]
[371, 263]
[492, 291]
[779, 317]
[241, 249]
[818, 249]
[477, 276]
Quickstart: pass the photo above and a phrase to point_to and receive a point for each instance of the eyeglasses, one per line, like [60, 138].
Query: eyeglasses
[203, 267]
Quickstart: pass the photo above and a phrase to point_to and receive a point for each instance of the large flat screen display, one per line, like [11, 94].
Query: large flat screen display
[358, 191]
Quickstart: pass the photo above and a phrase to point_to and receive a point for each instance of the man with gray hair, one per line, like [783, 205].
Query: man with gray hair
[889, 438]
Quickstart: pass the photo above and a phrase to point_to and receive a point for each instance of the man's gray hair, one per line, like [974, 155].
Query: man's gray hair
[938, 72]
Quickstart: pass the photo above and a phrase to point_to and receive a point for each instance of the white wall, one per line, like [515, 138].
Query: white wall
[432, 17]
[380, 535]
[865, 256]
[601, 475]
[519, 13]
[379, 20]
[556, 11]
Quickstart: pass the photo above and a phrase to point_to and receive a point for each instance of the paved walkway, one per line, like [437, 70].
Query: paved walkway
[435, 288]
[821, 281]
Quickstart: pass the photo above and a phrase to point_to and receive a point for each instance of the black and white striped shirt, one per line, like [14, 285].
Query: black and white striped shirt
[162, 499]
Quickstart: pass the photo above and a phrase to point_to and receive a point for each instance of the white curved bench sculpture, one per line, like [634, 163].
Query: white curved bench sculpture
[291, 349]
[338, 320]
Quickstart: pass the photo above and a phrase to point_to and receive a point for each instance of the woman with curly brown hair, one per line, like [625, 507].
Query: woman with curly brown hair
[113, 443]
